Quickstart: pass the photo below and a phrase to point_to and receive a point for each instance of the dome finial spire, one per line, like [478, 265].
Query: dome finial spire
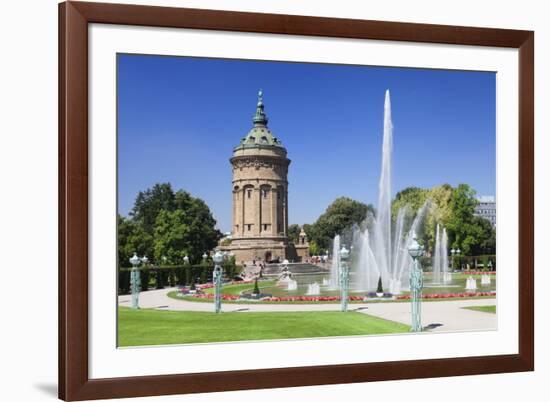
[260, 118]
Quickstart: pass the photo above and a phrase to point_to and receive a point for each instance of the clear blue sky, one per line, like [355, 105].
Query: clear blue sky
[179, 119]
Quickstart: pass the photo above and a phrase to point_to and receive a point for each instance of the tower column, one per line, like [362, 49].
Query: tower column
[274, 210]
[258, 207]
[243, 194]
[235, 216]
[285, 211]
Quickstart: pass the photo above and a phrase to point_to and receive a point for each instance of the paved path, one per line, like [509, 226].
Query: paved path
[157, 299]
[436, 315]
[440, 315]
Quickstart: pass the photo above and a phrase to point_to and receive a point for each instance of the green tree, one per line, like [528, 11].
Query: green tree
[308, 229]
[314, 248]
[132, 238]
[487, 243]
[411, 197]
[167, 223]
[439, 212]
[452, 208]
[341, 214]
[150, 202]
[190, 231]
[171, 236]
[473, 235]
[294, 233]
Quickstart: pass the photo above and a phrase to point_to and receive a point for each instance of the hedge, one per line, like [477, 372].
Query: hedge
[160, 277]
[459, 262]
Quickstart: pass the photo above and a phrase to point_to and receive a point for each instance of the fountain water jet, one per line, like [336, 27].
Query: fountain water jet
[471, 283]
[447, 278]
[377, 254]
[382, 223]
[365, 269]
[334, 268]
[485, 280]
[440, 266]
[313, 289]
[436, 264]
[291, 285]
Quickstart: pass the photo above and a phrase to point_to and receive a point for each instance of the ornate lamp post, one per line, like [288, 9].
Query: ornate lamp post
[187, 271]
[135, 281]
[344, 278]
[217, 277]
[453, 253]
[416, 283]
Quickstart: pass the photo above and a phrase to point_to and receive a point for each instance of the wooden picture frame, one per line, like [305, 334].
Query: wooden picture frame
[74, 381]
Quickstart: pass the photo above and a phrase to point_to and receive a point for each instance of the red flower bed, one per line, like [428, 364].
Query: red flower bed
[211, 296]
[336, 298]
[449, 295]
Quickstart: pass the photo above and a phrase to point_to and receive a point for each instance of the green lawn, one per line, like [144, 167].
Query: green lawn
[153, 327]
[485, 309]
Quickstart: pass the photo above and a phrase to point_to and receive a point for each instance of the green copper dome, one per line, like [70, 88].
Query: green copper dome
[260, 135]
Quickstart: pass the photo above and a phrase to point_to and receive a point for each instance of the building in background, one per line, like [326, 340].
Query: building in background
[487, 209]
[302, 248]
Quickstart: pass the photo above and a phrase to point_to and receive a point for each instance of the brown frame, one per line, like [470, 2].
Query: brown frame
[74, 17]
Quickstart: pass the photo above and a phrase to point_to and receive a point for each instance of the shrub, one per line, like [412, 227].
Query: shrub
[182, 275]
[172, 277]
[379, 289]
[144, 277]
[123, 281]
[256, 288]
[160, 281]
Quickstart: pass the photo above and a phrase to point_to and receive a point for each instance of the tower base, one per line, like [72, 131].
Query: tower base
[268, 250]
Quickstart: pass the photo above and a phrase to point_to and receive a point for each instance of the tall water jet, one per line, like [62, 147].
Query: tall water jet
[440, 266]
[436, 264]
[382, 226]
[399, 256]
[380, 255]
[335, 265]
[445, 258]
[365, 269]
[406, 262]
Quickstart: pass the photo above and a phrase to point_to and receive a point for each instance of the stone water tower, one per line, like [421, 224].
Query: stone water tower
[260, 194]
